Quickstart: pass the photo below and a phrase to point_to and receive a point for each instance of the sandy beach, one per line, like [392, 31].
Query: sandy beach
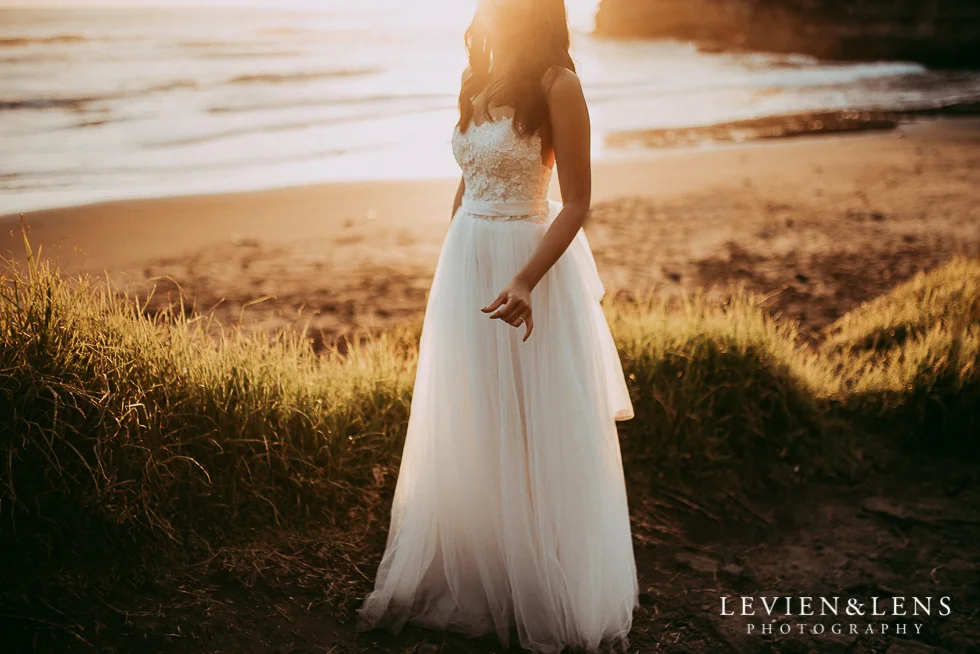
[819, 224]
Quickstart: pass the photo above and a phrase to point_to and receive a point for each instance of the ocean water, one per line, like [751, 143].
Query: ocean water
[112, 103]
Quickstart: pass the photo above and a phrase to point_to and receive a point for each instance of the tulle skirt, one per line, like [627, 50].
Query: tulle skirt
[510, 512]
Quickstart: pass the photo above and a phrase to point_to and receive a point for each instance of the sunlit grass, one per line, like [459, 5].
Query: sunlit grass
[131, 425]
[724, 388]
[947, 299]
[148, 420]
[908, 364]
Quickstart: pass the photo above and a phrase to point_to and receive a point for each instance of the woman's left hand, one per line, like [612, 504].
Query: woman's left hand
[513, 306]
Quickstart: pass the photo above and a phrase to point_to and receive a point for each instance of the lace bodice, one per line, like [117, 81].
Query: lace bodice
[500, 165]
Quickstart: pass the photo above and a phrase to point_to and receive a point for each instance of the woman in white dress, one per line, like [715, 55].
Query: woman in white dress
[510, 512]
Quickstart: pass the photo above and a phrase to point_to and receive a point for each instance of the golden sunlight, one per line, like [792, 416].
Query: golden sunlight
[294, 354]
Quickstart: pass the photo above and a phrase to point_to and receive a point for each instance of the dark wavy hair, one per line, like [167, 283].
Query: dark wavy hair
[544, 47]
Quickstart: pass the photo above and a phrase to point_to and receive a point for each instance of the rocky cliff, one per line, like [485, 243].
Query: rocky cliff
[943, 33]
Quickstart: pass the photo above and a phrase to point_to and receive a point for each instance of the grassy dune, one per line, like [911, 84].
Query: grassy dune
[112, 416]
[908, 364]
[120, 428]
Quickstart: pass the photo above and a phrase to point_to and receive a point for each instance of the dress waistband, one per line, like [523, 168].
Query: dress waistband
[512, 210]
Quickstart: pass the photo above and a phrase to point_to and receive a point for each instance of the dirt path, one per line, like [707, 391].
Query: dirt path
[910, 532]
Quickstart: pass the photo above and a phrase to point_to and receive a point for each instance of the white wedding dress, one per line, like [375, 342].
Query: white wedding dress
[510, 511]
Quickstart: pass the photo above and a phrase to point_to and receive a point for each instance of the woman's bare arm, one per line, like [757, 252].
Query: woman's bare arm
[571, 138]
[458, 202]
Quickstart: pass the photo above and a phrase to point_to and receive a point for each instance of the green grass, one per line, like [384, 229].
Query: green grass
[908, 364]
[724, 390]
[947, 299]
[114, 417]
[119, 427]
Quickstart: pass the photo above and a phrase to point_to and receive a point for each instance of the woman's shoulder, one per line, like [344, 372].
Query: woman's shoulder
[561, 84]
[560, 81]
